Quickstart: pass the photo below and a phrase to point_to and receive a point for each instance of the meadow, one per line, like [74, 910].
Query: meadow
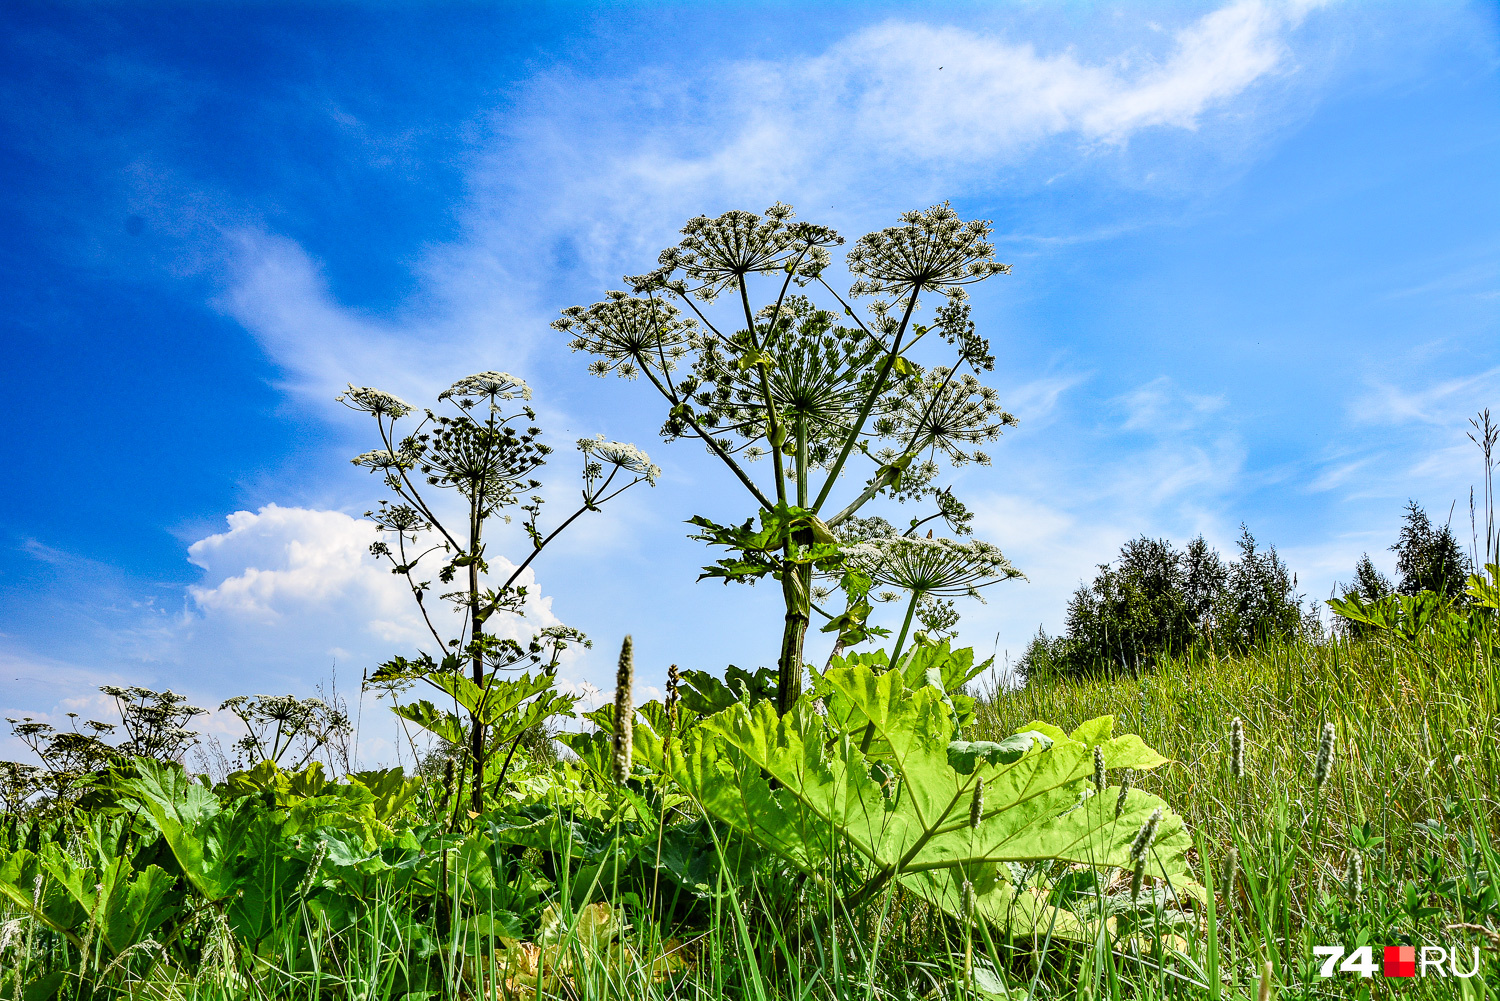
[1396, 847]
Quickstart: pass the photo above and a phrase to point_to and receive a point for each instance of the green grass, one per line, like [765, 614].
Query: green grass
[1412, 790]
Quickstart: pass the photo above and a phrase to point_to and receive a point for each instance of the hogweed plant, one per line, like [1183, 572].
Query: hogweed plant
[485, 448]
[774, 374]
[279, 726]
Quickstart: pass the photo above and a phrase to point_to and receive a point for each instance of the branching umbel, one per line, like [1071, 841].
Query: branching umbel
[809, 386]
[486, 449]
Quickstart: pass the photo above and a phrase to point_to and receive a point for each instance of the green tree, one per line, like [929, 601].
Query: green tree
[1260, 601]
[486, 450]
[1369, 583]
[1428, 558]
[773, 374]
[1132, 612]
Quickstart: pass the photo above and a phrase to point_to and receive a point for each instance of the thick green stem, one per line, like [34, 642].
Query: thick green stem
[476, 736]
[911, 609]
[796, 586]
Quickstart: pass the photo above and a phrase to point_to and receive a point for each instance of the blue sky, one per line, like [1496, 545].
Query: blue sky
[1256, 253]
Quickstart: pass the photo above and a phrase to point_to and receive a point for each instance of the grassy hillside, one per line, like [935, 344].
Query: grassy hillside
[1410, 801]
[1396, 847]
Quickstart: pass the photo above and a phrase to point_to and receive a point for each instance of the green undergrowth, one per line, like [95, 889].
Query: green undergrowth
[575, 888]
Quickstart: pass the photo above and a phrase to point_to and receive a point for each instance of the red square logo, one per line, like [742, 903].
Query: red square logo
[1400, 961]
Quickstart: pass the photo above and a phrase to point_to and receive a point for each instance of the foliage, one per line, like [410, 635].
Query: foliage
[917, 805]
[1408, 804]
[152, 725]
[278, 725]
[1429, 558]
[1155, 602]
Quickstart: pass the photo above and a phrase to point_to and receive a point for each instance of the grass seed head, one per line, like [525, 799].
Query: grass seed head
[674, 679]
[1324, 763]
[1237, 748]
[1354, 876]
[1265, 991]
[1126, 778]
[1100, 775]
[624, 710]
[1137, 878]
[1146, 835]
[1231, 871]
[976, 808]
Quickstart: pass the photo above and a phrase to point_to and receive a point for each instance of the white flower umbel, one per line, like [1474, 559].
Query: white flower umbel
[627, 334]
[379, 458]
[374, 401]
[932, 251]
[933, 566]
[929, 567]
[495, 385]
[621, 454]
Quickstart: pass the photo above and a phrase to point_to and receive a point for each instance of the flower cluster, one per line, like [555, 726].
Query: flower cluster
[931, 566]
[944, 411]
[374, 401]
[621, 454]
[932, 251]
[495, 385]
[717, 253]
[627, 334]
[379, 458]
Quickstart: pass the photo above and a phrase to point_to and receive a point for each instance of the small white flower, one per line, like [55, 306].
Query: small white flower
[374, 401]
[931, 566]
[379, 458]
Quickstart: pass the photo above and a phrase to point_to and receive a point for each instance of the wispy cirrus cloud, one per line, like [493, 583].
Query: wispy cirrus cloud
[1435, 403]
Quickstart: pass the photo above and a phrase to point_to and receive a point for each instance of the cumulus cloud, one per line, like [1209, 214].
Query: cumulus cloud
[306, 578]
[282, 562]
[288, 596]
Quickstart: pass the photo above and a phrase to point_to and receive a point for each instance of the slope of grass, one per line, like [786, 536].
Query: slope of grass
[1398, 847]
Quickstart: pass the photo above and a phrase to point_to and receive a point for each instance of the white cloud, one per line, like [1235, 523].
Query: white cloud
[1160, 407]
[1436, 403]
[280, 562]
[845, 123]
[288, 595]
[946, 93]
[305, 580]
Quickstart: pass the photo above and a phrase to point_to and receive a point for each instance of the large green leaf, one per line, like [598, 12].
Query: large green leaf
[125, 906]
[27, 885]
[204, 837]
[507, 707]
[799, 785]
